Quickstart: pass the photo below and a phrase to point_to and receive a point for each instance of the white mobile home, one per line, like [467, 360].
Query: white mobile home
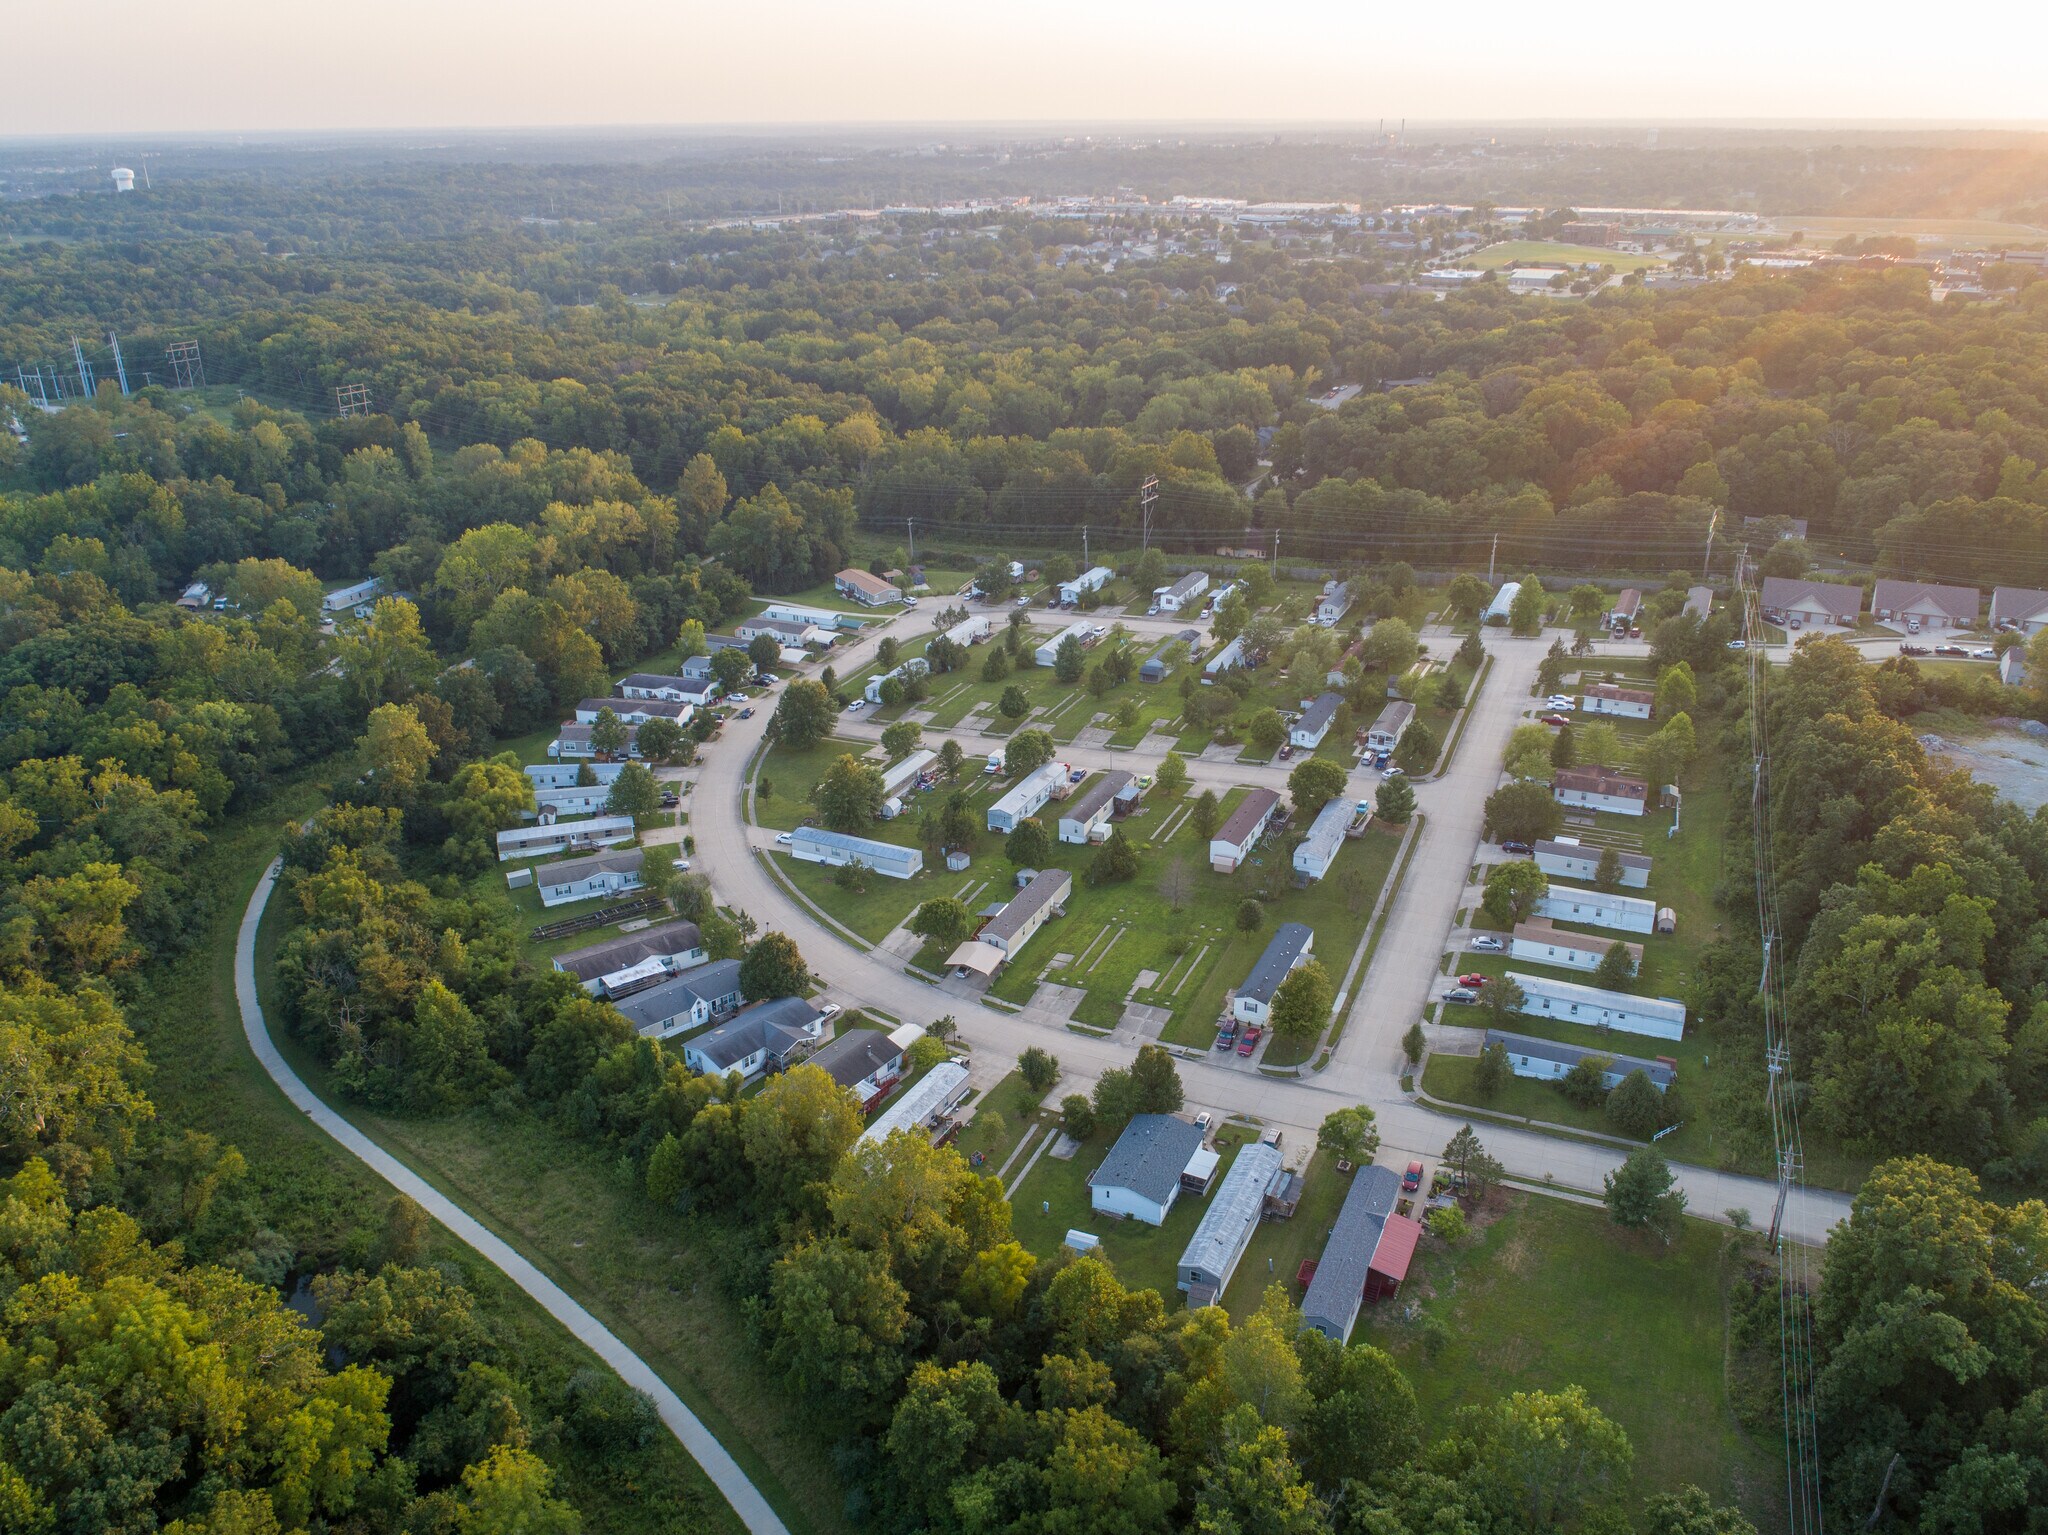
[1619, 702]
[576, 799]
[1548, 1061]
[1027, 797]
[772, 1034]
[1140, 1178]
[549, 838]
[1292, 944]
[1598, 908]
[635, 711]
[1027, 911]
[583, 879]
[1089, 811]
[970, 631]
[929, 1098]
[1049, 652]
[1071, 592]
[1600, 788]
[834, 849]
[563, 775]
[1229, 656]
[356, 599]
[1392, 724]
[1325, 839]
[1569, 1002]
[1334, 603]
[1237, 836]
[1567, 858]
[620, 966]
[1542, 944]
[1212, 1253]
[1182, 593]
[899, 776]
[916, 666]
[1307, 732]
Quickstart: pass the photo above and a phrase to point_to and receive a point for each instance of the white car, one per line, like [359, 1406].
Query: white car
[1738, 644]
[1984, 655]
[784, 838]
[828, 1009]
[680, 863]
[1489, 945]
[1561, 701]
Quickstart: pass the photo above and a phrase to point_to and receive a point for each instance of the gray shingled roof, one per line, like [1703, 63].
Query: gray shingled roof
[853, 1057]
[1095, 796]
[571, 870]
[782, 1023]
[1319, 714]
[1592, 854]
[706, 983]
[1287, 942]
[1251, 811]
[1047, 887]
[1335, 1293]
[617, 953]
[1149, 1156]
[1570, 1055]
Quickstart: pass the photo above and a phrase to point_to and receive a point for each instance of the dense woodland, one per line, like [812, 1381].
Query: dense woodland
[561, 489]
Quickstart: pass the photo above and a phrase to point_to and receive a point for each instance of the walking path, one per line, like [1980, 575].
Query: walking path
[724, 1472]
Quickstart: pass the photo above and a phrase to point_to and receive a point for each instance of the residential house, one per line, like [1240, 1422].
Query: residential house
[1600, 788]
[870, 591]
[789, 633]
[1182, 593]
[825, 619]
[675, 690]
[916, 666]
[1543, 997]
[1049, 652]
[1548, 1061]
[1334, 603]
[929, 1099]
[1043, 898]
[1237, 836]
[1308, 731]
[1368, 1253]
[357, 599]
[634, 961]
[1568, 858]
[572, 742]
[1598, 908]
[1226, 1228]
[835, 849]
[1140, 1178]
[634, 711]
[1626, 608]
[576, 799]
[1292, 944]
[1319, 848]
[1393, 722]
[551, 837]
[1620, 702]
[867, 1062]
[971, 631]
[1812, 604]
[1092, 580]
[769, 1036]
[583, 879]
[1930, 605]
[1028, 796]
[684, 1002]
[2012, 667]
[1540, 943]
[1699, 602]
[1229, 656]
[902, 776]
[1088, 811]
[564, 775]
[2021, 608]
[195, 597]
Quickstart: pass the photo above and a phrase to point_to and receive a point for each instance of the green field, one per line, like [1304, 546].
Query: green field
[1551, 1294]
[1546, 252]
[1828, 228]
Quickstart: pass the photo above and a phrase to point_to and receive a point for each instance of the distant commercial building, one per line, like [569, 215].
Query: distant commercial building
[835, 849]
[1620, 702]
[583, 879]
[1539, 943]
[1235, 1209]
[1089, 811]
[1600, 788]
[1546, 1060]
[1598, 908]
[1292, 944]
[1140, 1178]
[1028, 796]
[1182, 593]
[1567, 858]
[622, 965]
[1569, 1002]
[1325, 839]
[867, 589]
[549, 838]
[1237, 836]
[1392, 724]
[1368, 1253]
[1307, 732]
[1589, 232]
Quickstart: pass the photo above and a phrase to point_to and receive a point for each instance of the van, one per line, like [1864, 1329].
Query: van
[995, 763]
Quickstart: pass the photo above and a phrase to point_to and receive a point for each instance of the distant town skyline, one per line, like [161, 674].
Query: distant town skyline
[123, 66]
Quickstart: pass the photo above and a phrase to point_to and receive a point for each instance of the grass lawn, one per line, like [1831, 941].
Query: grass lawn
[1054, 1200]
[1550, 1295]
[1540, 252]
[1115, 933]
[327, 1204]
[1277, 1247]
[1011, 1103]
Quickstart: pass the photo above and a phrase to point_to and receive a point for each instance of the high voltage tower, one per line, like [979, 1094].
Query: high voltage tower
[351, 400]
[49, 385]
[1795, 1278]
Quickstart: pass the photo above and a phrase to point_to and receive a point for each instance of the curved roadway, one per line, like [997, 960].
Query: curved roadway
[720, 1467]
[1367, 1063]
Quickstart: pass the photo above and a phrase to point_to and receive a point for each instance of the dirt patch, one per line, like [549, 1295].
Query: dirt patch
[2013, 761]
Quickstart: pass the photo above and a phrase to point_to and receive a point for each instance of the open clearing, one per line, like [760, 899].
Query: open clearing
[1541, 252]
[2014, 762]
[1834, 228]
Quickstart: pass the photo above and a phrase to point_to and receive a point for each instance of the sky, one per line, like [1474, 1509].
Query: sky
[120, 66]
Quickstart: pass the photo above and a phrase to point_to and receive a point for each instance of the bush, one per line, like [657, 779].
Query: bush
[1077, 1116]
[605, 1415]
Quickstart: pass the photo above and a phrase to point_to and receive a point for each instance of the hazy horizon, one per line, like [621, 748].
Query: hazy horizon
[233, 66]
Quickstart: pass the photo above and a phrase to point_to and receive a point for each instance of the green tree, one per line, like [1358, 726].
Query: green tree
[1039, 1068]
[1617, 968]
[764, 651]
[1530, 752]
[1173, 773]
[1029, 845]
[901, 738]
[849, 796]
[1365, 1423]
[1513, 890]
[1413, 1043]
[1067, 661]
[1608, 875]
[1314, 782]
[1468, 594]
[608, 734]
[731, 668]
[386, 657]
[1418, 748]
[634, 792]
[1250, 913]
[1265, 732]
[1525, 612]
[1155, 1082]
[1523, 812]
[1471, 651]
[397, 754]
[1395, 801]
[1254, 1485]
[1501, 1003]
[1115, 1098]
[1667, 753]
[1447, 1224]
[1015, 703]
[660, 740]
[1689, 1511]
[943, 921]
[1466, 1157]
[488, 797]
[795, 1131]
[995, 666]
[1564, 749]
[1635, 1106]
[803, 715]
[1586, 1083]
[1350, 1133]
[951, 757]
[1492, 1074]
[1115, 861]
[1677, 691]
[1204, 816]
[773, 967]
[1543, 1460]
[1390, 647]
[1302, 1002]
[1028, 750]
[1077, 1116]
[690, 640]
[1642, 1195]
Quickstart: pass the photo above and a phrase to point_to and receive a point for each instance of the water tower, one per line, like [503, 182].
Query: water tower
[124, 179]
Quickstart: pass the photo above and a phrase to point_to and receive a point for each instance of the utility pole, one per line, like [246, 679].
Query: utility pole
[1707, 566]
[910, 533]
[85, 378]
[1276, 554]
[1490, 554]
[1148, 497]
[120, 367]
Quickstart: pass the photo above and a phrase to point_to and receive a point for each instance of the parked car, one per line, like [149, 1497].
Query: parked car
[681, 864]
[783, 839]
[1560, 701]
[1738, 644]
[1517, 847]
[1951, 650]
[1252, 1035]
[746, 714]
[1286, 752]
[1461, 994]
[856, 706]
[828, 1009]
[1226, 1037]
[1555, 721]
[1411, 1180]
[1153, 611]
[1392, 772]
[1487, 945]
[1912, 650]
[1984, 654]
[1474, 980]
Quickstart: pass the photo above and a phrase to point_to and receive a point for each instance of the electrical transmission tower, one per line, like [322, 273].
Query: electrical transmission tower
[85, 378]
[351, 400]
[1148, 498]
[120, 368]
[187, 371]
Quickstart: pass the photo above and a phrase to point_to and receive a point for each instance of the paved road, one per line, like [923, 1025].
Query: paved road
[724, 1472]
[1367, 1064]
